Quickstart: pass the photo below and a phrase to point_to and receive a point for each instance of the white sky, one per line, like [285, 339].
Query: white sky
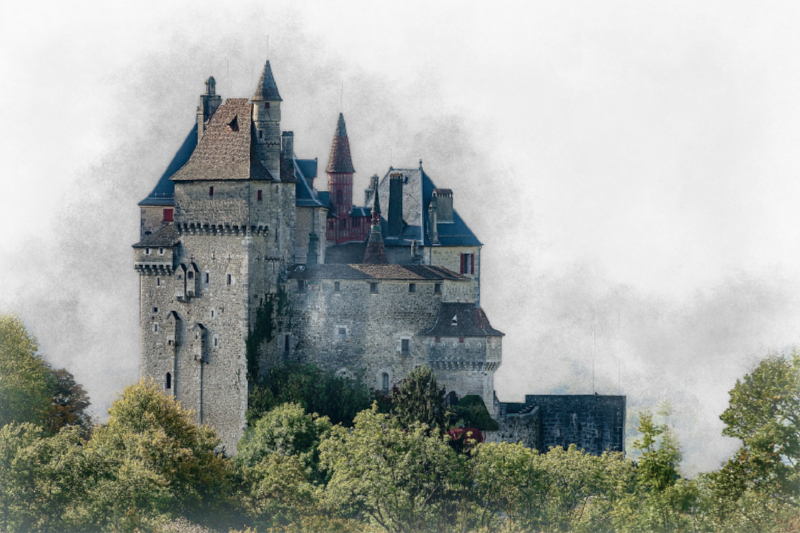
[637, 158]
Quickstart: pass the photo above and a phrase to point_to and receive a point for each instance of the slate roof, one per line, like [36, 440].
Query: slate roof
[470, 321]
[164, 191]
[226, 151]
[360, 212]
[417, 191]
[165, 237]
[340, 161]
[266, 88]
[346, 253]
[308, 167]
[305, 196]
[376, 272]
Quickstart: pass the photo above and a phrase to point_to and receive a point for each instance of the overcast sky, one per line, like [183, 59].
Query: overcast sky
[630, 167]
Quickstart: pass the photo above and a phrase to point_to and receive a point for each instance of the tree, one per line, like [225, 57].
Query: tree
[470, 411]
[338, 397]
[69, 404]
[395, 476]
[25, 379]
[418, 399]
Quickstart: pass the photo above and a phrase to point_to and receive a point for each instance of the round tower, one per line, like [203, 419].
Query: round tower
[267, 122]
[340, 183]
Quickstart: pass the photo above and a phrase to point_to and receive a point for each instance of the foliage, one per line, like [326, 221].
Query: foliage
[337, 397]
[394, 476]
[268, 313]
[68, 405]
[286, 431]
[418, 399]
[25, 379]
[470, 411]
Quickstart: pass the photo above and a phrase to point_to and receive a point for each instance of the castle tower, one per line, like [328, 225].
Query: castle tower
[267, 121]
[375, 253]
[340, 183]
[209, 102]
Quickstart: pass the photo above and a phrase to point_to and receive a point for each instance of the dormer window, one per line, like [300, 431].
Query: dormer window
[160, 251]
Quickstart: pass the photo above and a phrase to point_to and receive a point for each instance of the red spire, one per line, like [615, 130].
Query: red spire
[340, 162]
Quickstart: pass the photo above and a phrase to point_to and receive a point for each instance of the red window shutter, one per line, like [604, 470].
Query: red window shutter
[471, 263]
[168, 215]
[259, 196]
[463, 263]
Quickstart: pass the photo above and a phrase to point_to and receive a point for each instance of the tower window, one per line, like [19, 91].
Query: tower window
[216, 341]
[147, 251]
[155, 328]
[339, 197]
[301, 285]
[168, 384]
[461, 340]
[405, 346]
[373, 288]
[468, 263]
[158, 282]
[260, 134]
[412, 287]
[286, 343]
[190, 275]
[168, 215]
[266, 105]
[385, 381]
[211, 191]
[259, 192]
[437, 288]
[155, 309]
[337, 286]
[228, 279]
[438, 339]
[160, 251]
[207, 277]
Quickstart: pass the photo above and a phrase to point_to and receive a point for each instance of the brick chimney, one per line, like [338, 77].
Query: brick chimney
[444, 205]
[395, 218]
[433, 222]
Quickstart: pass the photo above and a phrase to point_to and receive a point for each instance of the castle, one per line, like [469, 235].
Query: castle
[235, 232]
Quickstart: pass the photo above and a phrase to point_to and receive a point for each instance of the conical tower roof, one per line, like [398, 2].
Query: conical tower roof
[266, 88]
[340, 161]
[375, 253]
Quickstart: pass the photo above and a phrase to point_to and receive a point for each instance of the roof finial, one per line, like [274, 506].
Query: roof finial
[420, 164]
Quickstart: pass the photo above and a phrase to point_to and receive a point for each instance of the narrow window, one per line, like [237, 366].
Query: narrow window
[168, 215]
[339, 197]
[558, 432]
[437, 288]
[147, 251]
[405, 346]
[212, 315]
[211, 191]
[385, 380]
[266, 105]
[190, 275]
[461, 340]
[160, 251]
[373, 288]
[276, 235]
[168, 384]
[155, 309]
[286, 343]
[155, 328]
[158, 282]
[438, 339]
[336, 286]
[228, 279]
[207, 278]
[260, 134]
[301, 285]
[216, 342]
[259, 196]
[412, 287]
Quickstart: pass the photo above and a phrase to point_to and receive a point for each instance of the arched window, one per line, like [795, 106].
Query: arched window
[169, 381]
[385, 380]
[339, 197]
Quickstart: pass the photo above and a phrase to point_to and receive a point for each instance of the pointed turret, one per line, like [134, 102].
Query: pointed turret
[375, 253]
[266, 90]
[340, 161]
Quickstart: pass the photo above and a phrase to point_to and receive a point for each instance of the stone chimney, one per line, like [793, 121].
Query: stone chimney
[312, 260]
[395, 218]
[287, 146]
[433, 220]
[444, 203]
[209, 102]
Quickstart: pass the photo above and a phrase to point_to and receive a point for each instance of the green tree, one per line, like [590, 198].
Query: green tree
[286, 430]
[418, 399]
[69, 404]
[25, 380]
[397, 477]
[471, 412]
[338, 397]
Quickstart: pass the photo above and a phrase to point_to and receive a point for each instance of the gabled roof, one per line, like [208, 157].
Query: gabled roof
[166, 237]
[308, 167]
[164, 191]
[305, 196]
[417, 191]
[226, 151]
[340, 161]
[376, 272]
[462, 320]
[266, 88]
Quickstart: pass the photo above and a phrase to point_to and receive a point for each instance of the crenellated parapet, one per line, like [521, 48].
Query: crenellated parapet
[226, 230]
[154, 268]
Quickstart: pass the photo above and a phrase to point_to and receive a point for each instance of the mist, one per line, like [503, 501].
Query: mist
[630, 171]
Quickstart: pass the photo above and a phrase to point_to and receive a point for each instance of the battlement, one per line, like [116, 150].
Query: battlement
[205, 228]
